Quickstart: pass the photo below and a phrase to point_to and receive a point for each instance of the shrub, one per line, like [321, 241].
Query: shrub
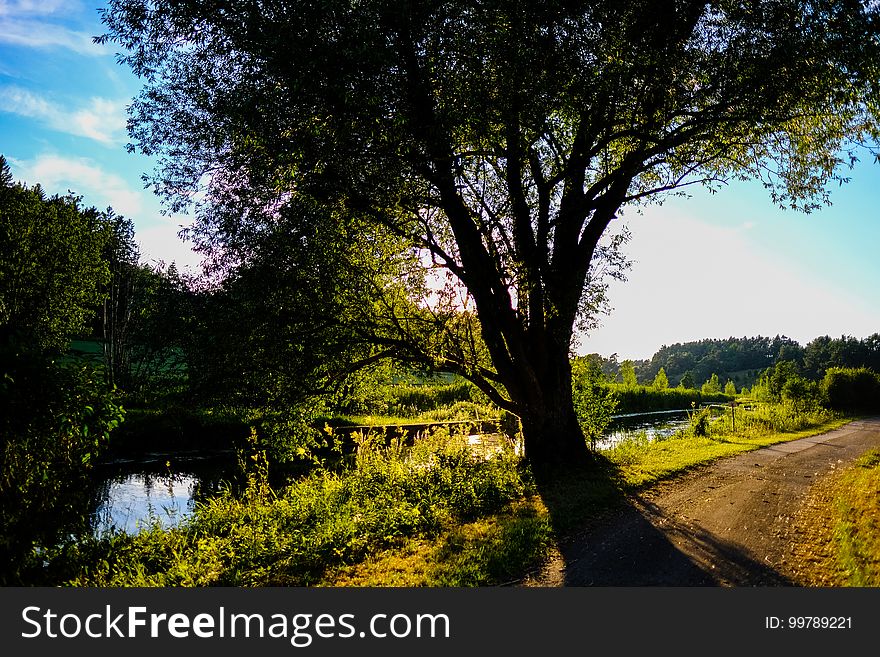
[699, 421]
[56, 422]
[851, 389]
[800, 393]
[594, 405]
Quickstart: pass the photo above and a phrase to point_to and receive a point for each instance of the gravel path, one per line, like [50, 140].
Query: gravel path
[730, 523]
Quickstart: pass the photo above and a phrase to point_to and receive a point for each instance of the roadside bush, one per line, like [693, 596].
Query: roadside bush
[851, 389]
[764, 419]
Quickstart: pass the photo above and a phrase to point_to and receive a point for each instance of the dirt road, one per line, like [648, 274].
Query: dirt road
[731, 523]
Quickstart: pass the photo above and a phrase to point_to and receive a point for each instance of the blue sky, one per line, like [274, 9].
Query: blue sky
[733, 264]
[62, 117]
[709, 266]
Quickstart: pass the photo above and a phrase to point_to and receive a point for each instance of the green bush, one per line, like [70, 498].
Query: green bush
[851, 389]
[699, 421]
[594, 405]
[800, 393]
[57, 420]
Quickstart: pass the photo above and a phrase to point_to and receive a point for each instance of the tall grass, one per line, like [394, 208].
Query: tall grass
[644, 399]
[412, 400]
[324, 520]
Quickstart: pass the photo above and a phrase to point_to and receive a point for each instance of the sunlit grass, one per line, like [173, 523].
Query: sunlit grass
[462, 411]
[642, 462]
[489, 551]
[857, 526]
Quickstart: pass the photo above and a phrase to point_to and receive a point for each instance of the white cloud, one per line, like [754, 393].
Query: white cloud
[30, 33]
[693, 281]
[98, 187]
[101, 119]
[156, 234]
[48, 24]
[37, 7]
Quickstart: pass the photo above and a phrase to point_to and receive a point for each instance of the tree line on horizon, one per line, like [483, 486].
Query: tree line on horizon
[743, 360]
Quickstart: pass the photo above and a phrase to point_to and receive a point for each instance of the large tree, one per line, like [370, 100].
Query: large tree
[500, 138]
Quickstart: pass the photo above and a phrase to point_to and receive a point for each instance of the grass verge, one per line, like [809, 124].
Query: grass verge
[857, 522]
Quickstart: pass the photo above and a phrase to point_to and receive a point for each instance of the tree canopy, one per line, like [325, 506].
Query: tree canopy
[501, 140]
[51, 266]
[305, 303]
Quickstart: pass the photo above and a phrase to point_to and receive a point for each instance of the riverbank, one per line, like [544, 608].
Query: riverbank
[435, 519]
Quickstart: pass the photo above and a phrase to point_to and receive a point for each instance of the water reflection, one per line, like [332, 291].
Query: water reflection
[133, 494]
[655, 426]
[134, 500]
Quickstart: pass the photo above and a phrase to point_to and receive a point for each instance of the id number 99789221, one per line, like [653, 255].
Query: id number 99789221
[808, 623]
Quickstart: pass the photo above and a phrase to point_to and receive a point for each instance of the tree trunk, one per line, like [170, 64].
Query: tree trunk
[551, 432]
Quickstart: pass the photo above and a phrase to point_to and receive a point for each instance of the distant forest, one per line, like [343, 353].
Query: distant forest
[743, 359]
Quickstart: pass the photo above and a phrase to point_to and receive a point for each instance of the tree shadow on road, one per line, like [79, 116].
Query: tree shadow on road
[611, 536]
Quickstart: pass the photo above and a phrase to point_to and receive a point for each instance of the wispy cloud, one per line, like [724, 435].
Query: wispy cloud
[100, 119]
[59, 174]
[32, 33]
[37, 7]
[50, 24]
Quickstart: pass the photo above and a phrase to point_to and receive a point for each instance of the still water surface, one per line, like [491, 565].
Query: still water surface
[159, 488]
[655, 425]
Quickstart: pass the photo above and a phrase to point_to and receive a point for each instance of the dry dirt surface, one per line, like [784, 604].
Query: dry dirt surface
[740, 521]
